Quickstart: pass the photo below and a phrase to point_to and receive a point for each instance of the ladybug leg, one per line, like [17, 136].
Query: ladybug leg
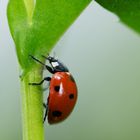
[51, 70]
[40, 83]
[44, 105]
[46, 112]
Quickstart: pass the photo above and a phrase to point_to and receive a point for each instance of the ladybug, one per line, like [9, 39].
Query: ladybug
[62, 91]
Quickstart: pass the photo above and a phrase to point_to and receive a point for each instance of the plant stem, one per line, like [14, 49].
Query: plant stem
[32, 106]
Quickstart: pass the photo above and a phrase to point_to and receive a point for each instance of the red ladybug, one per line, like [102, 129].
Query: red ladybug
[62, 91]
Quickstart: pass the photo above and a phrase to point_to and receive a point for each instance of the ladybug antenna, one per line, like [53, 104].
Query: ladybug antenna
[37, 60]
[45, 56]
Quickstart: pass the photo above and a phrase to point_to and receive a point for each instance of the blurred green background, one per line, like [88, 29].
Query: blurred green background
[104, 57]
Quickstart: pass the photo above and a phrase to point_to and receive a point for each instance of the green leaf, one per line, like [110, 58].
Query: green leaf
[36, 27]
[127, 10]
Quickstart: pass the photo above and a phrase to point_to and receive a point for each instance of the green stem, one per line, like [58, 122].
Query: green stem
[32, 107]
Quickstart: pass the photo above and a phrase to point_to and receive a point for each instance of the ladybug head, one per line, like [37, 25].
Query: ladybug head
[51, 59]
[56, 64]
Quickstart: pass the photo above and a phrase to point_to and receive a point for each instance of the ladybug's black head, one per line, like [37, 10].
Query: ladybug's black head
[51, 59]
[56, 64]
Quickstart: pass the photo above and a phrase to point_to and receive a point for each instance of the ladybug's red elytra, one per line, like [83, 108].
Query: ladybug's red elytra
[62, 91]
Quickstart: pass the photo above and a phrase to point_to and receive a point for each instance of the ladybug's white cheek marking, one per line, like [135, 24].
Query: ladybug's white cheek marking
[55, 64]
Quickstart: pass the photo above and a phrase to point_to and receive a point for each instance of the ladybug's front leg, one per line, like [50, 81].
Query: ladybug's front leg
[51, 70]
[45, 79]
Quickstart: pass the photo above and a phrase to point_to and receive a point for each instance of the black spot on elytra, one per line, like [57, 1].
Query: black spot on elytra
[71, 96]
[56, 88]
[56, 113]
[72, 79]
